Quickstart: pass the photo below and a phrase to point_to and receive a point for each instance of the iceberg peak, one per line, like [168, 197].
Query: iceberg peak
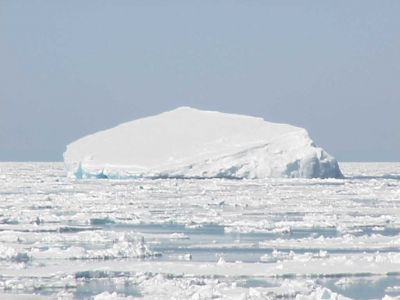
[191, 143]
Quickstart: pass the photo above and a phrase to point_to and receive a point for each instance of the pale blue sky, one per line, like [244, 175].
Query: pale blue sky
[70, 68]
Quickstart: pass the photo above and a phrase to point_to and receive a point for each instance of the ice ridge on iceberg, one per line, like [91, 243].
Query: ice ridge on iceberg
[191, 143]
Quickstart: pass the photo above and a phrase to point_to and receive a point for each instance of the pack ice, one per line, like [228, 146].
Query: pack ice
[192, 143]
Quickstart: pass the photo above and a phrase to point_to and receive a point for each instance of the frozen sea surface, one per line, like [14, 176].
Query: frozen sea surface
[199, 239]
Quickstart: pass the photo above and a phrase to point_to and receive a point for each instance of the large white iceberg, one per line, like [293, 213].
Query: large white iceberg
[191, 143]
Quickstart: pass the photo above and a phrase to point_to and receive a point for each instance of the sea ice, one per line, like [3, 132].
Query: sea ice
[273, 238]
[191, 143]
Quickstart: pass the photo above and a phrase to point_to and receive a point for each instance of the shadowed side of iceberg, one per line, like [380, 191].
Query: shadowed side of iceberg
[261, 162]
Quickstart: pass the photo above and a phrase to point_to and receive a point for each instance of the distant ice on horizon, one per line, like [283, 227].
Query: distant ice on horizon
[191, 143]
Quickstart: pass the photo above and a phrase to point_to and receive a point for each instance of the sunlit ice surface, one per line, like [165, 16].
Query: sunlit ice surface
[199, 239]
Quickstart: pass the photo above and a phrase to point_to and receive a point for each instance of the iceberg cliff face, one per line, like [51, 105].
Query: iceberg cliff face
[190, 143]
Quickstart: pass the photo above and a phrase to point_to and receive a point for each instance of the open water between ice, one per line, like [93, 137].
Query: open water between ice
[199, 239]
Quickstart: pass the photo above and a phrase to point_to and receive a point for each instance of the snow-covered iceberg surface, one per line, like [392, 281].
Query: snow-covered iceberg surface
[191, 143]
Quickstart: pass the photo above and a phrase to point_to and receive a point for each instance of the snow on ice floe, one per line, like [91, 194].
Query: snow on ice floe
[191, 143]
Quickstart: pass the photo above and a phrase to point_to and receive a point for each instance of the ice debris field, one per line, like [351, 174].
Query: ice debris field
[216, 238]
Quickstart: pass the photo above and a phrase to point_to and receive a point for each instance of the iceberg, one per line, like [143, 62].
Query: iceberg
[192, 143]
